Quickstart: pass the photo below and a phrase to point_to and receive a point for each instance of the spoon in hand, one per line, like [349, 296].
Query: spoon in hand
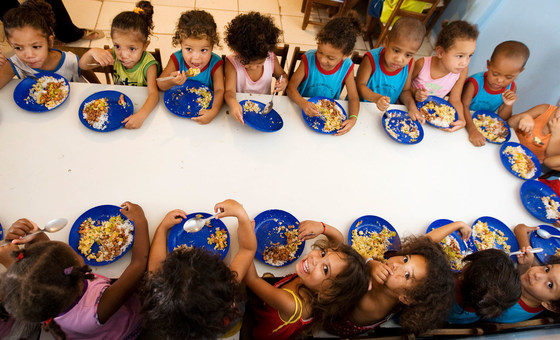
[51, 227]
[194, 224]
[268, 106]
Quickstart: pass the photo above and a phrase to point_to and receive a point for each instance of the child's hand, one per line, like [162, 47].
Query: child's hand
[380, 272]
[3, 59]
[465, 230]
[509, 97]
[554, 126]
[526, 124]
[476, 138]
[134, 121]
[456, 125]
[310, 109]
[281, 85]
[309, 229]
[526, 257]
[102, 57]
[416, 115]
[132, 211]
[19, 229]
[229, 208]
[346, 126]
[172, 218]
[383, 103]
[420, 94]
[180, 77]
[237, 112]
[204, 117]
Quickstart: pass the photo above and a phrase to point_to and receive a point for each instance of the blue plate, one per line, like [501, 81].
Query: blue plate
[549, 246]
[99, 213]
[269, 122]
[266, 229]
[370, 223]
[180, 101]
[466, 246]
[317, 123]
[508, 161]
[117, 113]
[26, 102]
[438, 101]
[478, 115]
[496, 225]
[531, 195]
[394, 120]
[1, 232]
[178, 236]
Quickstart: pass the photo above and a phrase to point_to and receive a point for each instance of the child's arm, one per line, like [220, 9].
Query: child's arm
[475, 137]
[552, 152]
[235, 108]
[406, 99]
[279, 71]
[525, 121]
[362, 79]
[116, 294]
[95, 56]
[309, 108]
[23, 227]
[419, 94]
[158, 250]
[455, 100]
[436, 235]
[6, 74]
[245, 236]
[206, 116]
[526, 260]
[136, 120]
[3, 59]
[171, 70]
[509, 97]
[310, 229]
[353, 105]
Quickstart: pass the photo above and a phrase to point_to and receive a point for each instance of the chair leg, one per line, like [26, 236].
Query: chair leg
[303, 3]
[308, 4]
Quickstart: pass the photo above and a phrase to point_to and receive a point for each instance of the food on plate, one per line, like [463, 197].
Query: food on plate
[193, 72]
[96, 113]
[204, 97]
[522, 164]
[218, 239]
[371, 244]
[442, 115]
[112, 237]
[486, 237]
[122, 101]
[49, 91]
[249, 106]
[491, 128]
[557, 253]
[402, 125]
[452, 249]
[331, 115]
[551, 206]
[278, 254]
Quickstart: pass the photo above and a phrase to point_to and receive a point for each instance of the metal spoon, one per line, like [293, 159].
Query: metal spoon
[51, 227]
[194, 224]
[24, 72]
[532, 251]
[545, 234]
[268, 106]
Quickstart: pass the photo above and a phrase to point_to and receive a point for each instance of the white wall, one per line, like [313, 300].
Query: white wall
[535, 23]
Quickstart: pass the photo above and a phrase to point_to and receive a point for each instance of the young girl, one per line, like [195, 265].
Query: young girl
[29, 30]
[324, 71]
[327, 283]
[446, 72]
[252, 37]
[487, 285]
[50, 283]
[191, 293]
[132, 65]
[416, 282]
[196, 33]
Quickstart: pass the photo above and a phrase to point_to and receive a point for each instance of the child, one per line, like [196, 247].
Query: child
[132, 65]
[252, 37]
[67, 297]
[384, 75]
[495, 89]
[415, 282]
[323, 72]
[445, 73]
[487, 285]
[538, 129]
[196, 33]
[327, 283]
[191, 293]
[29, 30]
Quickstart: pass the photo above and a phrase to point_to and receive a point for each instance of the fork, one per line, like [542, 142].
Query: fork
[25, 73]
[268, 106]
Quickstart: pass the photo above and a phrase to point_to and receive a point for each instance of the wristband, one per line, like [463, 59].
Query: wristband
[369, 259]
[324, 228]
[353, 116]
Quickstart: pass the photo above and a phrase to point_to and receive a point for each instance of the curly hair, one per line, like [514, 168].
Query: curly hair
[511, 49]
[341, 33]
[198, 24]
[39, 286]
[432, 297]
[34, 13]
[252, 36]
[455, 30]
[554, 304]
[408, 28]
[139, 21]
[489, 282]
[192, 296]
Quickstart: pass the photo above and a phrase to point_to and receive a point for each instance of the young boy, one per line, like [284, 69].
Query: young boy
[495, 89]
[385, 73]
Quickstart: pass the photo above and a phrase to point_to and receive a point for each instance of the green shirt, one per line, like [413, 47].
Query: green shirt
[136, 76]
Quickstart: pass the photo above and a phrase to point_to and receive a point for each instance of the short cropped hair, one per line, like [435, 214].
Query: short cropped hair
[511, 49]
[408, 28]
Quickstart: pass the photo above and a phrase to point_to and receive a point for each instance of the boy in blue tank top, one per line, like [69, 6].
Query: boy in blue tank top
[385, 73]
[326, 70]
[495, 89]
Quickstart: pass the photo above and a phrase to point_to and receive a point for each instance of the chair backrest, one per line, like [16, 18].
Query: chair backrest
[357, 58]
[295, 57]
[89, 75]
[282, 52]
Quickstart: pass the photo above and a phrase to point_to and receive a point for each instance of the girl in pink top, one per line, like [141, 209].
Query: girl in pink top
[50, 283]
[252, 37]
[446, 72]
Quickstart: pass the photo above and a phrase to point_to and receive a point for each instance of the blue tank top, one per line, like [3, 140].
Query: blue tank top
[318, 82]
[458, 315]
[383, 82]
[205, 75]
[517, 313]
[484, 98]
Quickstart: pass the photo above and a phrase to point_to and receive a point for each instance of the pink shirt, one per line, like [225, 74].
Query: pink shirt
[436, 87]
[244, 82]
[80, 322]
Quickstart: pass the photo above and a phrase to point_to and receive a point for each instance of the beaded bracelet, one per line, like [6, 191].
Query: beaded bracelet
[324, 227]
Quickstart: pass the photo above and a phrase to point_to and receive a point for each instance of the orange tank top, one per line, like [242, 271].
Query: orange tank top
[532, 140]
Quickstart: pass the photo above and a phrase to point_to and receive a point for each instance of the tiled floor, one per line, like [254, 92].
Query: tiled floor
[286, 13]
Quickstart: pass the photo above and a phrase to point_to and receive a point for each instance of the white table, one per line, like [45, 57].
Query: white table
[52, 166]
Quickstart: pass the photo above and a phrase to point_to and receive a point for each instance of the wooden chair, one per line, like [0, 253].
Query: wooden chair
[282, 52]
[357, 58]
[108, 70]
[308, 4]
[89, 75]
[295, 57]
[523, 325]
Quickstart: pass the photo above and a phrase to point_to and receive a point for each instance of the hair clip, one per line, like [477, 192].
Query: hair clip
[68, 271]
[47, 322]
[20, 256]
[138, 10]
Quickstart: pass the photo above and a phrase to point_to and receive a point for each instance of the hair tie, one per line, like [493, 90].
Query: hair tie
[68, 271]
[47, 322]
[20, 256]
[138, 10]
